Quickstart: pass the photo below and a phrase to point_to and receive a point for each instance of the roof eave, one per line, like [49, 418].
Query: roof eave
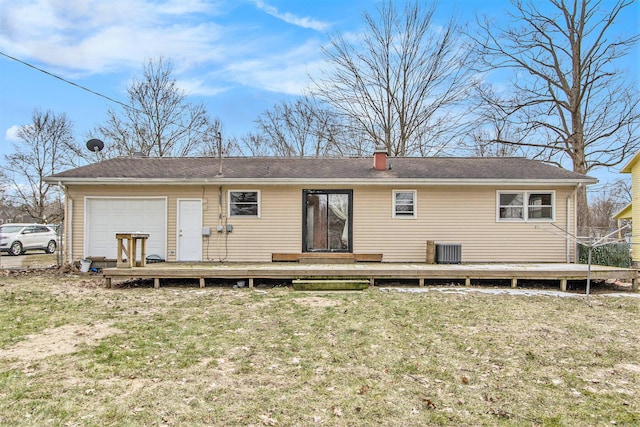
[318, 181]
[629, 166]
[624, 213]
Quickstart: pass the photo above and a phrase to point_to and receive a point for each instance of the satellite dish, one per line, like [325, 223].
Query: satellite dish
[95, 145]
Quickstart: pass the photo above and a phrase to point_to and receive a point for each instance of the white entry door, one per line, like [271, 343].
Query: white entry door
[189, 230]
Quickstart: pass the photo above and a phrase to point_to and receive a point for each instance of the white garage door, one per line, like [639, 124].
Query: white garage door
[107, 216]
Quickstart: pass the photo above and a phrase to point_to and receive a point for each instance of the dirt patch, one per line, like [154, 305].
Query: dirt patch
[317, 302]
[631, 367]
[58, 341]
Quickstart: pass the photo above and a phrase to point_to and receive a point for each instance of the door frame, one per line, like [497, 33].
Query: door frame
[306, 192]
[178, 219]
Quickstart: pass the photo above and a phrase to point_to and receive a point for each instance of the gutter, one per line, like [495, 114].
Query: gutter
[345, 181]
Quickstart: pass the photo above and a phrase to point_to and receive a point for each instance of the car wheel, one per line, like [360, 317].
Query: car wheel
[15, 249]
[51, 247]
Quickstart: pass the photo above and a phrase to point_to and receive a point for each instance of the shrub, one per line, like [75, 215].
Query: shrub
[613, 255]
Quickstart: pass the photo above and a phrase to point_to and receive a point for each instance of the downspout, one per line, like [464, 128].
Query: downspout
[68, 219]
[569, 221]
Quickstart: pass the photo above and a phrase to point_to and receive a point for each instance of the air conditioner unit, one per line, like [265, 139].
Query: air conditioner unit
[448, 253]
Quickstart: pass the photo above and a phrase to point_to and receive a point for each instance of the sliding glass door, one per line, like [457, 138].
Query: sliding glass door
[327, 221]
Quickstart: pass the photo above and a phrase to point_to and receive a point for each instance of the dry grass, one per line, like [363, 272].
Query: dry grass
[73, 353]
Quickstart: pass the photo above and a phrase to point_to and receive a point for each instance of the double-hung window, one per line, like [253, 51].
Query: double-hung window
[404, 203]
[526, 206]
[244, 203]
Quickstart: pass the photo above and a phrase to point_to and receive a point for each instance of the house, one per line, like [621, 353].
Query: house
[380, 208]
[9, 214]
[628, 212]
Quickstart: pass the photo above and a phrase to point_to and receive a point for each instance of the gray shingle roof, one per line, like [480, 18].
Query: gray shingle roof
[279, 168]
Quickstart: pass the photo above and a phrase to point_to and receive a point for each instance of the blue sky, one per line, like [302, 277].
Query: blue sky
[239, 57]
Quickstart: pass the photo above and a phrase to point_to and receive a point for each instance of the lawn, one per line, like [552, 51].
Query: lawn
[75, 354]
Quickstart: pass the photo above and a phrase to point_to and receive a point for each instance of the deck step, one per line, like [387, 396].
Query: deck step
[330, 284]
[325, 257]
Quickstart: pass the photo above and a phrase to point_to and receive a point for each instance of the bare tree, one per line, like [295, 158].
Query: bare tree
[352, 140]
[402, 81]
[608, 201]
[299, 128]
[158, 120]
[47, 146]
[254, 145]
[483, 144]
[3, 184]
[567, 98]
[214, 144]
[487, 138]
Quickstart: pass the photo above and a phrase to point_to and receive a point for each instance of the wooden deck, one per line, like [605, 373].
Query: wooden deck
[371, 271]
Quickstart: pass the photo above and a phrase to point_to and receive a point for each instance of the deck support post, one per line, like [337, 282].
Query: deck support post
[107, 282]
[467, 281]
[514, 282]
[634, 284]
[563, 285]
[421, 281]
[250, 282]
[156, 283]
[202, 282]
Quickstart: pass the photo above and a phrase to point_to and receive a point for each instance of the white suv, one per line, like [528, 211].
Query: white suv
[16, 239]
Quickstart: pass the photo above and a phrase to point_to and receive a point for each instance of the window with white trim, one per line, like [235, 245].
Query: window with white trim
[404, 203]
[526, 205]
[244, 203]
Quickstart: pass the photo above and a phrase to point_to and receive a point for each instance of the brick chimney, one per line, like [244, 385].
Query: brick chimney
[380, 158]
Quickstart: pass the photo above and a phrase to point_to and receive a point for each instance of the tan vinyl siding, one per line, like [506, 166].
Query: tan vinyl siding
[75, 248]
[172, 221]
[455, 215]
[446, 214]
[278, 229]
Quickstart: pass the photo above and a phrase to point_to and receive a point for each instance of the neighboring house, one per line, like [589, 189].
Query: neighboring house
[4, 216]
[497, 209]
[10, 215]
[629, 212]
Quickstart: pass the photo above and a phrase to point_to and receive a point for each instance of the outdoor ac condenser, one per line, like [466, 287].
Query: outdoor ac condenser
[449, 253]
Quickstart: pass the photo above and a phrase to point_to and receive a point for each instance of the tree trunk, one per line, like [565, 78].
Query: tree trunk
[580, 166]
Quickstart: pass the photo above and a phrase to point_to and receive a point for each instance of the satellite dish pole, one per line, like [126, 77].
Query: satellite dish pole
[96, 146]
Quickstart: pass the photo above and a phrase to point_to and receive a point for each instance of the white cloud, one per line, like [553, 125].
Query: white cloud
[80, 38]
[12, 133]
[96, 36]
[199, 87]
[285, 72]
[290, 18]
